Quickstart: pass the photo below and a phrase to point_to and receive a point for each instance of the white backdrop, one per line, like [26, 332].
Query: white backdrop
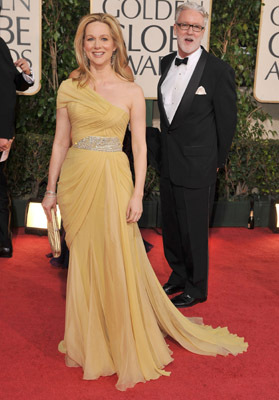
[20, 27]
[148, 33]
[266, 86]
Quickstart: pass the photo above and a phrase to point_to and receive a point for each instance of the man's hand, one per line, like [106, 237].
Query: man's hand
[23, 65]
[5, 144]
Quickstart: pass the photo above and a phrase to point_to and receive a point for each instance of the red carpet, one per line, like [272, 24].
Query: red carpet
[243, 294]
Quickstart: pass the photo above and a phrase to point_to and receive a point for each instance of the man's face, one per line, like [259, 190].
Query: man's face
[188, 41]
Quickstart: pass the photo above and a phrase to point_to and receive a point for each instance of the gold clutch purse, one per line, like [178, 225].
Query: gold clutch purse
[54, 235]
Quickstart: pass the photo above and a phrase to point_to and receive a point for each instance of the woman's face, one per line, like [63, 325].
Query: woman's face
[98, 43]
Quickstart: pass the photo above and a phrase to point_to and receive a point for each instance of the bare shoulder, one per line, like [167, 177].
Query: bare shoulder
[137, 89]
[127, 94]
[132, 89]
[74, 74]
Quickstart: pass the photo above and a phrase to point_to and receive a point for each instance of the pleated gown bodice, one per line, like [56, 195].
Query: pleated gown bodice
[90, 115]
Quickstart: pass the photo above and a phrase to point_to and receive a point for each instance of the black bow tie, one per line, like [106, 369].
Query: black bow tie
[179, 61]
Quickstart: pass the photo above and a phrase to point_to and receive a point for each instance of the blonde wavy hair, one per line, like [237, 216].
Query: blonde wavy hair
[119, 58]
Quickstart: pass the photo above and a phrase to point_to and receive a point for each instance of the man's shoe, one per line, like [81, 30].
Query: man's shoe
[184, 300]
[6, 252]
[171, 289]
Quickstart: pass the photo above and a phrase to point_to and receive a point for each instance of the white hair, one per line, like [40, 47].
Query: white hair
[190, 5]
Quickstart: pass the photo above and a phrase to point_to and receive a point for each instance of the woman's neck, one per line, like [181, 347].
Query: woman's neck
[102, 73]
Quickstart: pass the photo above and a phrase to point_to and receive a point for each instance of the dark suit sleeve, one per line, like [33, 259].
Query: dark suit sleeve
[153, 147]
[21, 83]
[225, 113]
[10, 81]
[153, 141]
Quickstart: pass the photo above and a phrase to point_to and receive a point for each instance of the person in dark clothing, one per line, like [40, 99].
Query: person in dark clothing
[197, 103]
[11, 80]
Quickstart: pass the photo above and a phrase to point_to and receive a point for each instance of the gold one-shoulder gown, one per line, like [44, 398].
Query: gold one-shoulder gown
[117, 313]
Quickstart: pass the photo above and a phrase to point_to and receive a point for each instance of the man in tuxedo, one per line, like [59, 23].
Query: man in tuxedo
[197, 103]
[10, 81]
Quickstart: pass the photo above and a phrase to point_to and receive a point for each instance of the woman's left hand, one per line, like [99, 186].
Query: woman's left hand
[134, 209]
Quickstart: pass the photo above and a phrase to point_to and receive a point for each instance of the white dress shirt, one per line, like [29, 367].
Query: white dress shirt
[29, 78]
[176, 83]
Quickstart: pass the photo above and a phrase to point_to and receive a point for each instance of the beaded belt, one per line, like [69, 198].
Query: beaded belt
[99, 143]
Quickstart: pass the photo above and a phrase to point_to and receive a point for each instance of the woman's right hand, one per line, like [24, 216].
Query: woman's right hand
[48, 203]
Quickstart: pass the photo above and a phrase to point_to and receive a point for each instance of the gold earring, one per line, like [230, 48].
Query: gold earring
[113, 57]
[86, 59]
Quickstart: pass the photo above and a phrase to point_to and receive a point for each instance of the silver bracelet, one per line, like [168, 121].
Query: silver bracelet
[50, 192]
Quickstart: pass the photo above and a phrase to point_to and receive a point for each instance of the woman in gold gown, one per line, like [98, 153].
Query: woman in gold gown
[117, 314]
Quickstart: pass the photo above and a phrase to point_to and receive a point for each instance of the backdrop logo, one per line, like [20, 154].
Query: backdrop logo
[20, 27]
[148, 33]
[266, 87]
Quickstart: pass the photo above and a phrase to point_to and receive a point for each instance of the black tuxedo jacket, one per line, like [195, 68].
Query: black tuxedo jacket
[199, 137]
[10, 81]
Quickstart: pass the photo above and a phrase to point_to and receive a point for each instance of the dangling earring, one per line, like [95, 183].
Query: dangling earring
[113, 57]
[86, 59]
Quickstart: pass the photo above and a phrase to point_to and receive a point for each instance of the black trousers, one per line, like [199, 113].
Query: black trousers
[185, 222]
[5, 209]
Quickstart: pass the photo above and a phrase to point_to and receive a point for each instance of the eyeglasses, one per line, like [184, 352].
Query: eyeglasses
[186, 27]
